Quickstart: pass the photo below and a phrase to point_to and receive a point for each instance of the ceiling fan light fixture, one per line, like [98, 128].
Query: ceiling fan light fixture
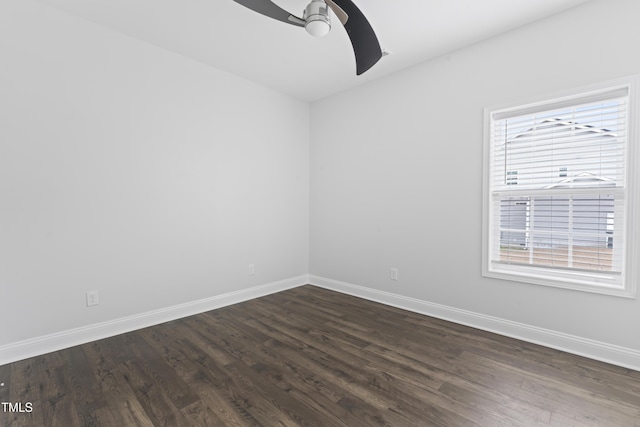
[317, 20]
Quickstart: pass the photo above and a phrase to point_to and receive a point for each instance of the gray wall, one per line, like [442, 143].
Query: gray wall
[397, 145]
[134, 171]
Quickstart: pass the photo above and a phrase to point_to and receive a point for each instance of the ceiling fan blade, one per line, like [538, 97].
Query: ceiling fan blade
[363, 39]
[341, 14]
[270, 9]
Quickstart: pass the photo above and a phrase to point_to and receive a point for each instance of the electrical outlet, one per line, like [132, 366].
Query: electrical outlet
[93, 298]
[252, 269]
[393, 275]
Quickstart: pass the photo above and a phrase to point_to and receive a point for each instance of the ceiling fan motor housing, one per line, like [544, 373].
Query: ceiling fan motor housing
[316, 16]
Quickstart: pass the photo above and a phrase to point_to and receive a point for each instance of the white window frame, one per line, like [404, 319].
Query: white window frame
[622, 286]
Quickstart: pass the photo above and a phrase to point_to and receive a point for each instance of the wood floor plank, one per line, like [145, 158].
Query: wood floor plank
[576, 403]
[312, 357]
[5, 382]
[226, 398]
[155, 367]
[209, 384]
[504, 409]
[200, 415]
[105, 357]
[126, 409]
[250, 340]
[151, 395]
[22, 386]
[56, 398]
[87, 395]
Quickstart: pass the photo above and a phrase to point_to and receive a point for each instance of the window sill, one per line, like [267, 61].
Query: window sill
[607, 284]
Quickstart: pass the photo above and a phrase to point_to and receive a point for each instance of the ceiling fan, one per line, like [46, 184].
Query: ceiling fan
[317, 22]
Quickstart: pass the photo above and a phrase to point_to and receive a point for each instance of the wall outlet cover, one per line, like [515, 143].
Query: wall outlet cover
[93, 298]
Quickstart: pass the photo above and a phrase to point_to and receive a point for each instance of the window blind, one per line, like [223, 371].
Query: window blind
[557, 187]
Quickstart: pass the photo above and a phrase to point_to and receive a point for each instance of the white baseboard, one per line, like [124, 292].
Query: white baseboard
[65, 339]
[609, 353]
[616, 355]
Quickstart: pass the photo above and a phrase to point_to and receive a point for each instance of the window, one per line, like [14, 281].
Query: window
[556, 192]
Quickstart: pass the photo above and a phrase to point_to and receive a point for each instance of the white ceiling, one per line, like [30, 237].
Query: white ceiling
[230, 37]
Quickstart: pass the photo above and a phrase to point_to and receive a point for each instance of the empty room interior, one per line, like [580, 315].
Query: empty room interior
[207, 218]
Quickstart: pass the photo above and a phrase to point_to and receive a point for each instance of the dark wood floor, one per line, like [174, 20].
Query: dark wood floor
[312, 357]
